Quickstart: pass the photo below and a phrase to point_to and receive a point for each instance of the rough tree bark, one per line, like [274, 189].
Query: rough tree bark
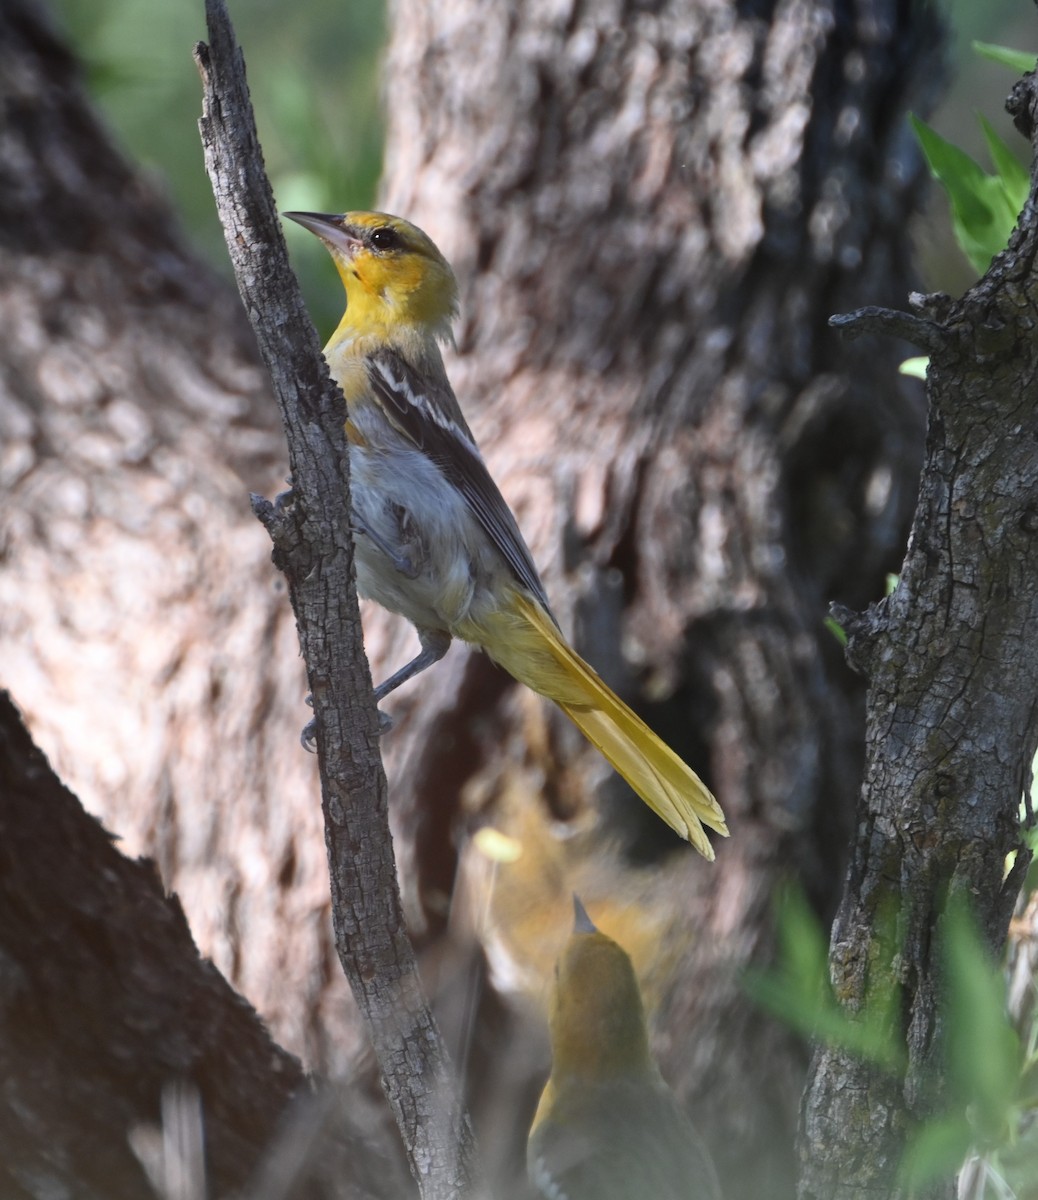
[653, 211]
[143, 630]
[108, 1008]
[952, 729]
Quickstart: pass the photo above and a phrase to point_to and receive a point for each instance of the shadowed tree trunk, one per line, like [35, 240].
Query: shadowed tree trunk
[653, 211]
[952, 729]
[121, 1049]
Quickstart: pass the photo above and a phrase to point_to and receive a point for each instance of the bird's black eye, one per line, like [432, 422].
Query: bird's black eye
[385, 238]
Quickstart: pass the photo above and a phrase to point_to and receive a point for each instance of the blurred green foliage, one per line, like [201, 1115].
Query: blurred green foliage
[797, 989]
[988, 1109]
[915, 368]
[989, 1105]
[984, 206]
[971, 83]
[1018, 61]
[313, 70]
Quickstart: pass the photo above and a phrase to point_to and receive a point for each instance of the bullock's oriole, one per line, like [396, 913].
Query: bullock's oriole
[434, 539]
[607, 1126]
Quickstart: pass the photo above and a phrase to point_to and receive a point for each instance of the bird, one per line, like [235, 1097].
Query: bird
[434, 539]
[607, 1126]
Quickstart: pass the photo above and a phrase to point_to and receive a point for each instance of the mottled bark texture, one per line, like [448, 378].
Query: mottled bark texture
[115, 1036]
[951, 661]
[143, 630]
[653, 210]
[310, 527]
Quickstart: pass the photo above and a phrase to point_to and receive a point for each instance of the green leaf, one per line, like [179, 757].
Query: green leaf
[981, 214]
[1016, 182]
[837, 630]
[915, 367]
[797, 990]
[984, 1055]
[1017, 60]
[937, 1149]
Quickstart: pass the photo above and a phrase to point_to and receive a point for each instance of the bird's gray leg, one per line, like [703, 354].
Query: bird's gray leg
[434, 642]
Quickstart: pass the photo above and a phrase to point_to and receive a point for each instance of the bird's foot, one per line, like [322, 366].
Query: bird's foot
[308, 738]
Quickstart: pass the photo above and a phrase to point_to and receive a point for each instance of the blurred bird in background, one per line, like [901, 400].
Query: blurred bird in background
[607, 1126]
[435, 541]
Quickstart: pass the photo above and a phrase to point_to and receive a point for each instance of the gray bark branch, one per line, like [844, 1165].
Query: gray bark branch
[926, 335]
[310, 528]
[951, 731]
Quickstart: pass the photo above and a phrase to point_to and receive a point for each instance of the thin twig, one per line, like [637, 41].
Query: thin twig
[891, 322]
[310, 528]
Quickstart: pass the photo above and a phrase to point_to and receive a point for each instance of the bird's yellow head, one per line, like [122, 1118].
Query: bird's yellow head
[393, 274]
[597, 1019]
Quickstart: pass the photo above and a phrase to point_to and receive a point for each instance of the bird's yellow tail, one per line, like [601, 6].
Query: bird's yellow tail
[536, 654]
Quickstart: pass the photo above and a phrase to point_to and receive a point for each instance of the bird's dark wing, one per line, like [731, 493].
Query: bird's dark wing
[428, 414]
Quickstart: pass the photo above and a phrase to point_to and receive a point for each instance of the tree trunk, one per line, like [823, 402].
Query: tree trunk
[653, 212]
[117, 1040]
[143, 630]
[951, 732]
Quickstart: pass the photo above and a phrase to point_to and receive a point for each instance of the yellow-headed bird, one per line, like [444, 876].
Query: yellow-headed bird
[435, 540]
[607, 1126]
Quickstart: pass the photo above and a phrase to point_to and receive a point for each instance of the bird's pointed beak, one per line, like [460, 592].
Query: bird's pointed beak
[329, 228]
[582, 923]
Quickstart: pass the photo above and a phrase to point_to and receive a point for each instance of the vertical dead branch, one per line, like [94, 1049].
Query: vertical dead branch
[310, 528]
[952, 661]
